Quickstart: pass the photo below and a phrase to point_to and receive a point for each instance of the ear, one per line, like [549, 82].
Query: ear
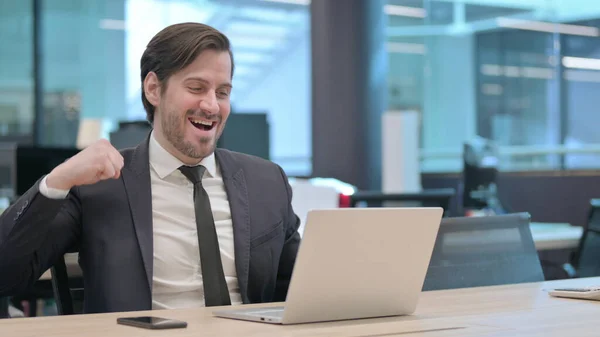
[152, 88]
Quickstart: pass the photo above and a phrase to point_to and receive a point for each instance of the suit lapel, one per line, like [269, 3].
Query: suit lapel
[137, 186]
[237, 193]
[136, 177]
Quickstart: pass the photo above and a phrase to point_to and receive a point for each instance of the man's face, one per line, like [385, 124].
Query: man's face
[194, 107]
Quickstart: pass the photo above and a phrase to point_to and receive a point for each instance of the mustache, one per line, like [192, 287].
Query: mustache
[204, 115]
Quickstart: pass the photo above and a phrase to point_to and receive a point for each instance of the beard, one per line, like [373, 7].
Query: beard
[174, 132]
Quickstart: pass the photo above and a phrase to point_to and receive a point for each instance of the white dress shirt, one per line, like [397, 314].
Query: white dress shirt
[177, 277]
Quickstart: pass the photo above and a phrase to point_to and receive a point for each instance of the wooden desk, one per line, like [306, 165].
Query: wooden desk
[514, 310]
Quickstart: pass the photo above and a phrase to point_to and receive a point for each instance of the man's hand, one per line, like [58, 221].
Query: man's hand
[99, 161]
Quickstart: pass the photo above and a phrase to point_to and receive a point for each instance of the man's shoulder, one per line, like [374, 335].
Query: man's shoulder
[127, 152]
[130, 153]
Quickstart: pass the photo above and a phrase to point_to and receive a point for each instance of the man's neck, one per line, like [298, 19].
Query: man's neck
[162, 141]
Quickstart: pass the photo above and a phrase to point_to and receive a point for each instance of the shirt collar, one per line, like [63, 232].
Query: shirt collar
[165, 163]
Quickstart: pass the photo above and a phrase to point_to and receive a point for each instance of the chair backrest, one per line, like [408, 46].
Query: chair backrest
[4, 307]
[68, 287]
[483, 251]
[426, 198]
[586, 260]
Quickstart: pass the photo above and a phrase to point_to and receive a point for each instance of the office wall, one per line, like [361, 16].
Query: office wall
[285, 94]
[449, 95]
[435, 75]
[581, 99]
[16, 35]
[16, 68]
[78, 54]
[449, 115]
[558, 196]
[82, 64]
[84, 55]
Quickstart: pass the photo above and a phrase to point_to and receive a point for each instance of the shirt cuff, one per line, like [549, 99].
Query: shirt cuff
[52, 193]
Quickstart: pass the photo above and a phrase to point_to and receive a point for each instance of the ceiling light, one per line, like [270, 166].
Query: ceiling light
[491, 70]
[581, 63]
[549, 27]
[413, 12]
[293, 2]
[405, 48]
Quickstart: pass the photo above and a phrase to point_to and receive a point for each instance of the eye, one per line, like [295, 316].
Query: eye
[223, 94]
[195, 89]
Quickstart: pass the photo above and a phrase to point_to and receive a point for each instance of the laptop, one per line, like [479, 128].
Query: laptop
[354, 263]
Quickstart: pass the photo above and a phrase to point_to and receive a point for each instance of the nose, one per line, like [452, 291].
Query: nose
[209, 103]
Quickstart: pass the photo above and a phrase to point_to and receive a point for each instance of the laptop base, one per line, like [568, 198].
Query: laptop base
[272, 315]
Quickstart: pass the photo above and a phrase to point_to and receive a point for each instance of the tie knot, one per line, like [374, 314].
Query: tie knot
[193, 173]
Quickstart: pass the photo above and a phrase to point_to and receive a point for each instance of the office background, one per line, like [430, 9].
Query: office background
[521, 73]
[313, 87]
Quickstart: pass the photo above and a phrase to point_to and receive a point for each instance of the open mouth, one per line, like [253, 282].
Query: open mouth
[202, 124]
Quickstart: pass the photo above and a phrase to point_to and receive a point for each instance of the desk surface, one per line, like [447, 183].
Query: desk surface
[555, 235]
[513, 310]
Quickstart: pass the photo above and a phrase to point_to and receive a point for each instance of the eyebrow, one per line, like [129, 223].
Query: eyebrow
[200, 79]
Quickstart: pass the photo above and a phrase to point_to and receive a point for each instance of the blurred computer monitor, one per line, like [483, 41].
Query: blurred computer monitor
[247, 133]
[480, 171]
[130, 134]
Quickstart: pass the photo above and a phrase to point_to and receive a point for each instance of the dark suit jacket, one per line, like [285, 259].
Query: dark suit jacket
[110, 224]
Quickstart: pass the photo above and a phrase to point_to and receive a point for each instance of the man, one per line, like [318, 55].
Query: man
[172, 223]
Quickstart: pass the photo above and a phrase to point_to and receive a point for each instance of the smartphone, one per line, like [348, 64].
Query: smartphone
[149, 322]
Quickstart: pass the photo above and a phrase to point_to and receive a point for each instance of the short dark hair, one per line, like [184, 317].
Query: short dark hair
[174, 48]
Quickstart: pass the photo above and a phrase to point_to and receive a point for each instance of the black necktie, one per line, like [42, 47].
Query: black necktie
[213, 277]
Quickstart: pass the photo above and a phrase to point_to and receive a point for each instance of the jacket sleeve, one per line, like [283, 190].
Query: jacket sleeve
[34, 232]
[290, 248]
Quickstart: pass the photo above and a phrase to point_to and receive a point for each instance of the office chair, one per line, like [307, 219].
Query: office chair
[4, 307]
[586, 261]
[479, 177]
[68, 291]
[426, 198]
[483, 251]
